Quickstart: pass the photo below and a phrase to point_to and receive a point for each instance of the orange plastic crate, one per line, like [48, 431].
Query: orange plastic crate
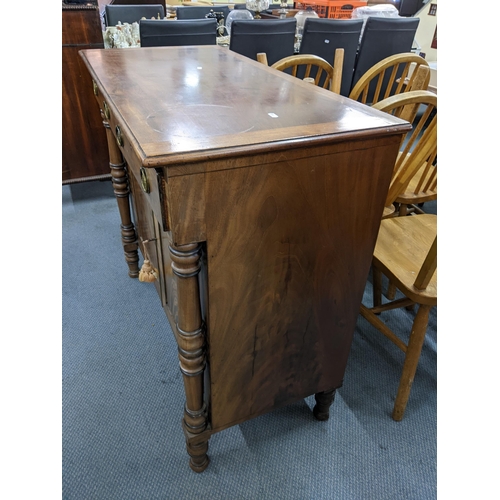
[333, 9]
[319, 6]
[343, 9]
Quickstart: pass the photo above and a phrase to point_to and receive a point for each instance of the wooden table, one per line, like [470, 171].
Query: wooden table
[257, 198]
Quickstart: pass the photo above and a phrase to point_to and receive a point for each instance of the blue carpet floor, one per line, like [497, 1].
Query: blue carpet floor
[123, 398]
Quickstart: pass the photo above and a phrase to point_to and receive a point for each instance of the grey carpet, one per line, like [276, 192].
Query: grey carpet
[123, 397]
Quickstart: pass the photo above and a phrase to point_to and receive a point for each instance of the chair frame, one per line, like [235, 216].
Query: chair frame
[333, 74]
[396, 239]
[391, 66]
[419, 145]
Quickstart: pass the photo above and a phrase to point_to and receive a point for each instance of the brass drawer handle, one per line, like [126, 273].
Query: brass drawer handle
[144, 180]
[119, 138]
[105, 109]
[94, 87]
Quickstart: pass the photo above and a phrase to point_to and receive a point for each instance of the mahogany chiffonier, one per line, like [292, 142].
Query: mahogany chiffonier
[257, 199]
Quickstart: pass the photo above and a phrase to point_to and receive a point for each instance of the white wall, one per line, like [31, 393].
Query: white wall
[425, 31]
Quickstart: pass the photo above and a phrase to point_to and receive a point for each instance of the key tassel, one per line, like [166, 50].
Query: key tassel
[147, 273]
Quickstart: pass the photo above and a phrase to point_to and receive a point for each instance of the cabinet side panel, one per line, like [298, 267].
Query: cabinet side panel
[289, 247]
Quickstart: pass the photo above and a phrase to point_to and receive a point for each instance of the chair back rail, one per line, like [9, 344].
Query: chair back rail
[311, 68]
[390, 77]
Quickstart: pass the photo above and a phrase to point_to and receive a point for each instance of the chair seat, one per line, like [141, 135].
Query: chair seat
[389, 212]
[400, 256]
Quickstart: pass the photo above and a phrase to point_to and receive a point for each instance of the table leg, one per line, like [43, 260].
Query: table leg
[121, 188]
[191, 346]
[323, 402]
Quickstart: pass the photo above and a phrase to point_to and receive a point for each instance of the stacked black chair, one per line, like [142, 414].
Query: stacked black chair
[132, 13]
[383, 37]
[274, 37]
[199, 12]
[322, 37]
[177, 33]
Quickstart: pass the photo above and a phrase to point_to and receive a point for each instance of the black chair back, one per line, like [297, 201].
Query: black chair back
[383, 37]
[199, 12]
[322, 37]
[177, 33]
[274, 37]
[131, 13]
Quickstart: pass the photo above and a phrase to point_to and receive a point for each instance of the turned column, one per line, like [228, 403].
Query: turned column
[121, 188]
[191, 346]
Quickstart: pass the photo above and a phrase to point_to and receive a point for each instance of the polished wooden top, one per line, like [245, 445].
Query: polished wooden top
[179, 104]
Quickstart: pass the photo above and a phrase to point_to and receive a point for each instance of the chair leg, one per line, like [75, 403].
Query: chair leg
[391, 291]
[403, 210]
[413, 351]
[377, 286]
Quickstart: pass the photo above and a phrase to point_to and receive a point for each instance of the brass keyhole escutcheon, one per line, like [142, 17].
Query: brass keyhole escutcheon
[144, 180]
[119, 138]
[105, 109]
[94, 87]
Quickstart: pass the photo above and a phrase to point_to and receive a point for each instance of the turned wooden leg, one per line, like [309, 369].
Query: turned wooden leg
[324, 400]
[413, 351]
[122, 193]
[191, 345]
[403, 210]
[391, 291]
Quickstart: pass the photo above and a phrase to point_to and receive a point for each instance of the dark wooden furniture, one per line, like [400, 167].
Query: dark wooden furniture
[257, 198]
[84, 146]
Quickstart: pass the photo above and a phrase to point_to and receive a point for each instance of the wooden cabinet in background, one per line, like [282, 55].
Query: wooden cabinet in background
[84, 147]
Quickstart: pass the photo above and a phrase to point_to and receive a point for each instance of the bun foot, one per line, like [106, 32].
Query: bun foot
[324, 400]
[199, 459]
[199, 467]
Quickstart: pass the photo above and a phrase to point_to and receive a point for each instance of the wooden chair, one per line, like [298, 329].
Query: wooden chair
[390, 77]
[310, 66]
[415, 170]
[405, 252]
[423, 185]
